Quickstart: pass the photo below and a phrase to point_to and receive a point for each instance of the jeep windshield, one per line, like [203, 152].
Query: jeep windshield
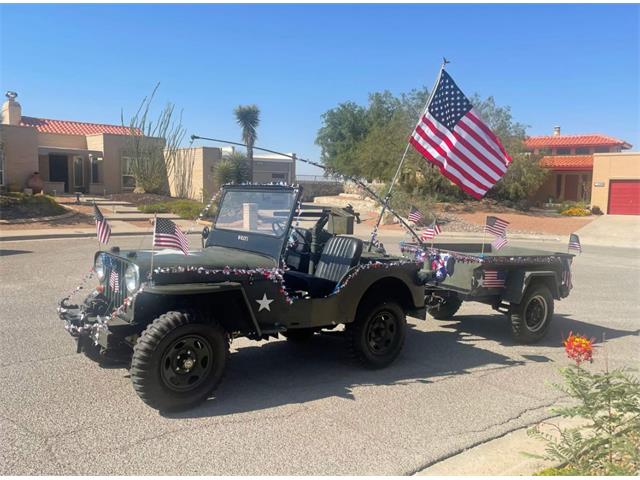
[254, 218]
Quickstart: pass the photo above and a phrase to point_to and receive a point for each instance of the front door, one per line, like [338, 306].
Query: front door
[571, 187]
[59, 170]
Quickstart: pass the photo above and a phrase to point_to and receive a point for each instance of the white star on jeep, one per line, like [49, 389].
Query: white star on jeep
[264, 303]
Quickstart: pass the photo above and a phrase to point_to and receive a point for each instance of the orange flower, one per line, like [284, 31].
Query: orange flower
[579, 348]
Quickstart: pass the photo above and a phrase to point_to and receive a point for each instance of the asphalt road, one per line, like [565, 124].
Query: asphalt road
[282, 409]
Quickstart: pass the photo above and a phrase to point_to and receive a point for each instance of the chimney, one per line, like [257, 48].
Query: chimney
[556, 131]
[11, 110]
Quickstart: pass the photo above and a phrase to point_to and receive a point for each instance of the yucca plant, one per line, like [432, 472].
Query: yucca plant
[248, 117]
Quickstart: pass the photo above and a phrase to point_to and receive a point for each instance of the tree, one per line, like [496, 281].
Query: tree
[152, 147]
[368, 141]
[233, 168]
[248, 117]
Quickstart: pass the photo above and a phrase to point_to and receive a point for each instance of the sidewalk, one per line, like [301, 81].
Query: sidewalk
[501, 456]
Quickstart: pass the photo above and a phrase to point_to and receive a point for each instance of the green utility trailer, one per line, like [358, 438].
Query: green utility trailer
[519, 282]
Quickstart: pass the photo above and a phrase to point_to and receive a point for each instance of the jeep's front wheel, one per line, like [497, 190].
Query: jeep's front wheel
[377, 335]
[178, 360]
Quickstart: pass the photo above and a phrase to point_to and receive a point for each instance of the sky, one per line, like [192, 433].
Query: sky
[576, 66]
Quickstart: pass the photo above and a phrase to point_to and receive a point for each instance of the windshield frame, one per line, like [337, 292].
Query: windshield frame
[254, 241]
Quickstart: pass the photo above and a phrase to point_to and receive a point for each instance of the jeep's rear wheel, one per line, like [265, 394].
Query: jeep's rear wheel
[377, 335]
[178, 360]
[531, 319]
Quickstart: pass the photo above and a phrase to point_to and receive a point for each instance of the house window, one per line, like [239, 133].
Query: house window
[96, 169]
[582, 151]
[544, 151]
[563, 151]
[602, 149]
[278, 176]
[128, 179]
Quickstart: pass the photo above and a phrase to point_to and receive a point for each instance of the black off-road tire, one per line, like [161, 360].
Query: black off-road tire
[377, 335]
[300, 335]
[155, 357]
[446, 310]
[531, 319]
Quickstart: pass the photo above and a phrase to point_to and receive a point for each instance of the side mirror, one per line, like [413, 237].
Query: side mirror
[205, 235]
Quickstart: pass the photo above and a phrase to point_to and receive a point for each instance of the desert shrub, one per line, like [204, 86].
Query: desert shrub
[21, 205]
[188, 209]
[609, 402]
[575, 212]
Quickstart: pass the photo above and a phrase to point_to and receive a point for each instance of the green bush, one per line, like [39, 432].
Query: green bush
[16, 205]
[188, 209]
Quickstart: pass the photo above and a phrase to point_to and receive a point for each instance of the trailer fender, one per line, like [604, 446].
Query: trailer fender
[519, 280]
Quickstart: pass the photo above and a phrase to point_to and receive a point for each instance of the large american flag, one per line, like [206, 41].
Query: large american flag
[103, 230]
[451, 135]
[167, 234]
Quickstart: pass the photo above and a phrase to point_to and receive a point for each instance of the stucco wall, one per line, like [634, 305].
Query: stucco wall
[20, 154]
[612, 166]
[62, 141]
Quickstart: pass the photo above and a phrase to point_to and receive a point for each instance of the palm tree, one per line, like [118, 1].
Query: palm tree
[248, 117]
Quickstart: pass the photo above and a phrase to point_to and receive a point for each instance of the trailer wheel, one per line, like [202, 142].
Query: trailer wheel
[447, 309]
[530, 319]
[377, 335]
[178, 360]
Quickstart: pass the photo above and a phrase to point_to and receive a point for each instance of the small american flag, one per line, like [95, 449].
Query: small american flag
[167, 234]
[452, 136]
[574, 243]
[103, 230]
[114, 282]
[431, 232]
[493, 278]
[499, 242]
[415, 215]
[496, 226]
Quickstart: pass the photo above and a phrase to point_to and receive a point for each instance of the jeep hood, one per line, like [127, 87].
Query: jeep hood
[210, 257]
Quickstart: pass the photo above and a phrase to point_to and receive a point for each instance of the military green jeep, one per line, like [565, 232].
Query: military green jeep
[257, 276]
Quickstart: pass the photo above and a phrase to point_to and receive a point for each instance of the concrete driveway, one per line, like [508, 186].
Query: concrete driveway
[612, 230]
[282, 409]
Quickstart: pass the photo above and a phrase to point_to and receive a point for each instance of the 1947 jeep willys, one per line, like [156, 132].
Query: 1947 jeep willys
[257, 276]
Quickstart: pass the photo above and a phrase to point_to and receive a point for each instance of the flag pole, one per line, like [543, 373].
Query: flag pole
[435, 222]
[385, 202]
[96, 225]
[153, 245]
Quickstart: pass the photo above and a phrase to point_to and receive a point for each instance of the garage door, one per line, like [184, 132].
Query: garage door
[624, 197]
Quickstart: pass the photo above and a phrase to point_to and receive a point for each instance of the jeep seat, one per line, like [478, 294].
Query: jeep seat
[340, 254]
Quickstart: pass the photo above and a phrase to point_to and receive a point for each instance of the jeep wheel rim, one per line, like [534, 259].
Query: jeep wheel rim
[186, 363]
[381, 333]
[536, 313]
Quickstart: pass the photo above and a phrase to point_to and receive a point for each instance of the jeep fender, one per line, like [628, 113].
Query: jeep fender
[227, 301]
[519, 280]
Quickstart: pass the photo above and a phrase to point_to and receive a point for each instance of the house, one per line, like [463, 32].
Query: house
[570, 159]
[70, 156]
[73, 156]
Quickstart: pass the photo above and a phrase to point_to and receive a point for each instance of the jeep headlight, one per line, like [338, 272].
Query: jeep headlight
[99, 267]
[131, 278]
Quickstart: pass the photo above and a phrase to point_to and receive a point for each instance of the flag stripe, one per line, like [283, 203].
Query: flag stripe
[474, 117]
[488, 176]
[466, 172]
[469, 127]
[477, 194]
[471, 145]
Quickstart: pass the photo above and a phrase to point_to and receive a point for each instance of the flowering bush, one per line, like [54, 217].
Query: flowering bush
[578, 348]
[609, 401]
[575, 212]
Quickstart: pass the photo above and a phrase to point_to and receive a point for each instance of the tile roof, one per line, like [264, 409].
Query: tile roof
[46, 125]
[592, 140]
[567, 162]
